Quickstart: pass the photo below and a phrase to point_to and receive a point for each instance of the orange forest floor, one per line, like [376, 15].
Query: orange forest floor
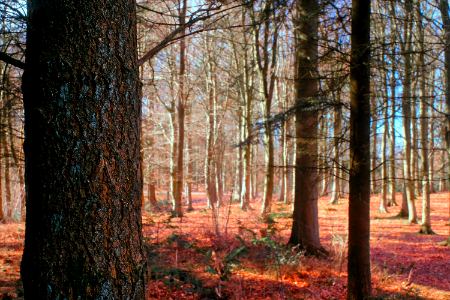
[205, 254]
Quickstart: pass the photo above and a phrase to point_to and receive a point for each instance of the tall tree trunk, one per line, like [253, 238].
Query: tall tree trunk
[282, 194]
[426, 209]
[384, 105]
[406, 113]
[305, 225]
[444, 7]
[265, 62]
[239, 167]
[336, 193]
[210, 186]
[180, 118]
[188, 188]
[374, 152]
[415, 145]
[83, 236]
[246, 90]
[392, 201]
[359, 282]
[2, 132]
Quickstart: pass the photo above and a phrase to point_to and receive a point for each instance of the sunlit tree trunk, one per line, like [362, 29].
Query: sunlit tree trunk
[210, 185]
[189, 177]
[239, 167]
[266, 64]
[426, 209]
[180, 119]
[246, 91]
[406, 112]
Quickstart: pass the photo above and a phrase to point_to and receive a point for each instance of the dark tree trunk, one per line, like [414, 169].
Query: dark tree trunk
[359, 283]
[83, 178]
[305, 226]
[446, 27]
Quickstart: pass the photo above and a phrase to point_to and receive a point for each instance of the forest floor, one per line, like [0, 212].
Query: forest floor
[185, 255]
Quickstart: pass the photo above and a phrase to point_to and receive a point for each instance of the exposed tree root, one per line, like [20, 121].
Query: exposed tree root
[409, 222]
[445, 242]
[334, 201]
[426, 229]
[402, 214]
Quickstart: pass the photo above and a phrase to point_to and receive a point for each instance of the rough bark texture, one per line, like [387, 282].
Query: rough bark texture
[359, 283]
[2, 95]
[305, 226]
[83, 237]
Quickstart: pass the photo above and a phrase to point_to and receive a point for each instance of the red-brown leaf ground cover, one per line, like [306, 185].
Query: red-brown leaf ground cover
[405, 265]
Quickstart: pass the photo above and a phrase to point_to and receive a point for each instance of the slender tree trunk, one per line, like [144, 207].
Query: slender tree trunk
[426, 209]
[415, 145]
[359, 282]
[247, 93]
[209, 162]
[384, 180]
[392, 201]
[188, 188]
[282, 194]
[180, 119]
[265, 62]
[336, 193]
[406, 113]
[83, 238]
[373, 174]
[239, 167]
[286, 165]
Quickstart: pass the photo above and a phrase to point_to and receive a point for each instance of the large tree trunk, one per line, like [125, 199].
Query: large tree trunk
[444, 7]
[83, 237]
[359, 282]
[2, 101]
[305, 226]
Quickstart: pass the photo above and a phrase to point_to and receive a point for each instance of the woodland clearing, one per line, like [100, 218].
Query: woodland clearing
[405, 265]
